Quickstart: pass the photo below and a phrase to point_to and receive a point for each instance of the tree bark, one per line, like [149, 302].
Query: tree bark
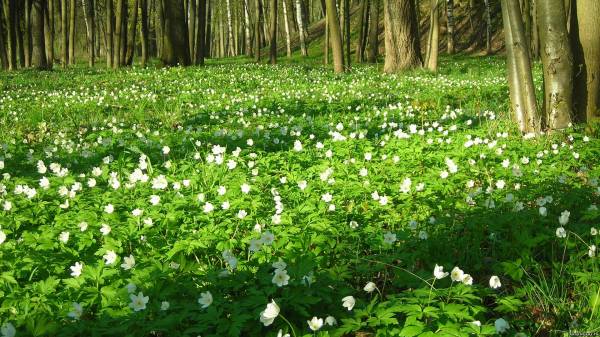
[64, 30]
[302, 33]
[362, 32]
[10, 13]
[273, 40]
[557, 61]
[208, 34]
[257, 30]
[38, 55]
[402, 46]
[88, 9]
[200, 38]
[192, 28]
[488, 27]
[230, 45]
[585, 33]
[347, 33]
[247, 35]
[131, 35]
[109, 33]
[28, 43]
[373, 49]
[335, 37]
[118, 34]
[72, 8]
[49, 30]
[288, 39]
[3, 54]
[144, 31]
[175, 49]
[450, 24]
[433, 39]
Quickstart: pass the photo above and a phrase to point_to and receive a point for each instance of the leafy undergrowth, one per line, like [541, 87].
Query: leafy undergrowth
[250, 200]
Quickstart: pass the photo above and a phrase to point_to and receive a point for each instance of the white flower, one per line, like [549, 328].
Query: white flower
[302, 185]
[245, 188]
[564, 217]
[131, 287]
[205, 299]
[467, 279]
[154, 200]
[7, 206]
[383, 200]
[330, 320]
[370, 287]
[110, 257]
[76, 312]
[105, 229]
[166, 150]
[592, 251]
[438, 272]
[495, 282]
[280, 334]
[315, 323]
[64, 237]
[561, 232]
[109, 209]
[389, 238]
[208, 207]
[271, 312]
[242, 214]
[137, 212]
[164, 305]
[280, 278]
[501, 325]
[457, 274]
[327, 197]
[160, 182]
[8, 330]
[593, 231]
[348, 302]
[444, 174]
[44, 183]
[279, 265]
[2, 237]
[138, 302]
[76, 269]
[297, 146]
[543, 211]
[128, 262]
[405, 187]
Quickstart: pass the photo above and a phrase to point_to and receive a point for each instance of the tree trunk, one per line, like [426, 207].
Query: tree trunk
[175, 49]
[208, 35]
[28, 43]
[72, 7]
[347, 32]
[526, 11]
[230, 45]
[433, 39]
[192, 29]
[200, 38]
[38, 55]
[302, 33]
[535, 36]
[247, 35]
[118, 39]
[64, 31]
[361, 31]
[10, 13]
[488, 27]
[3, 54]
[288, 40]
[327, 43]
[257, 30]
[557, 61]
[402, 49]
[514, 87]
[522, 63]
[88, 10]
[132, 34]
[450, 21]
[144, 31]
[49, 31]
[335, 37]
[273, 40]
[373, 49]
[109, 34]
[585, 33]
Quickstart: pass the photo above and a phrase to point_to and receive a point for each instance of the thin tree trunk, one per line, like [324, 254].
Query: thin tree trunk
[288, 42]
[10, 13]
[28, 43]
[257, 30]
[117, 34]
[208, 33]
[526, 11]
[402, 49]
[433, 40]
[64, 21]
[21, 44]
[38, 55]
[535, 36]
[200, 38]
[72, 8]
[302, 33]
[450, 21]
[50, 35]
[373, 49]
[347, 33]
[585, 33]
[361, 31]
[248, 36]
[557, 61]
[335, 37]
[88, 10]
[192, 29]
[144, 31]
[3, 54]
[327, 35]
[488, 27]
[273, 40]
[132, 34]
[514, 87]
[124, 33]
[230, 42]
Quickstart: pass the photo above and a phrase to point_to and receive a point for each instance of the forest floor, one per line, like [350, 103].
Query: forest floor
[249, 200]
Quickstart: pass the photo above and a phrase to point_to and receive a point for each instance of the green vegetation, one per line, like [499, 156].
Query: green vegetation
[183, 201]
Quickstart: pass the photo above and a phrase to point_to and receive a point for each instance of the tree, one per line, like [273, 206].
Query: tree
[402, 47]
[132, 34]
[49, 30]
[335, 37]
[557, 61]
[64, 31]
[144, 31]
[302, 33]
[347, 32]
[38, 55]
[373, 49]
[450, 24]
[273, 32]
[3, 55]
[433, 36]
[72, 8]
[192, 28]
[118, 34]
[28, 43]
[362, 30]
[175, 49]
[109, 33]
[10, 13]
[585, 38]
[288, 40]
[88, 9]
[257, 30]
[200, 38]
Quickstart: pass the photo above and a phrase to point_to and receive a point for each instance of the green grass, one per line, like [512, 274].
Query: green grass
[357, 138]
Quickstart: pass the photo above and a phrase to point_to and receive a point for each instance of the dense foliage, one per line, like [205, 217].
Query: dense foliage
[258, 201]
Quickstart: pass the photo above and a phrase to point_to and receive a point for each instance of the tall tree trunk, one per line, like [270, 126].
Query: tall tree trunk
[585, 33]
[72, 8]
[433, 39]
[21, 44]
[402, 49]
[450, 21]
[302, 33]
[124, 33]
[192, 29]
[335, 37]
[208, 35]
[117, 34]
[557, 61]
[200, 38]
[526, 11]
[38, 55]
[373, 49]
[230, 42]
[175, 49]
[535, 36]
[522, 63]
[257, 30]
[514, 87]
[144, 31]
[360, 42]
[3, 54]
[347, 33]
[288, 40]
[222, 44]
[109, 33]
[88, 10]
[488, 27]
[64, 31]
[248, 36]
[132, 34]
[327, 39]
[28, 43]
[49, 31]
[10, 13]
[273, 40]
